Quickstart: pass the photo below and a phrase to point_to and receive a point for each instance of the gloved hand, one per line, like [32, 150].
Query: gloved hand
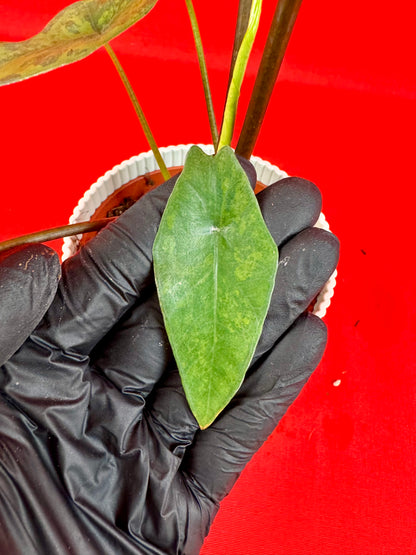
[100, 453]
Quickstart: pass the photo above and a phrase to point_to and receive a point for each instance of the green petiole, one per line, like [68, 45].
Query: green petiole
[204, 72]
[230, 110]
[139, 112]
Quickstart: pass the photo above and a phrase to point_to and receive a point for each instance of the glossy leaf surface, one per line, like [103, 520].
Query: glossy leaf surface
[215, 265]
[74, 33]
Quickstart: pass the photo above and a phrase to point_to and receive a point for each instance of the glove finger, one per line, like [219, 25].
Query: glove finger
[289, 206]
[219, 454]
[28, 281]
[249, 170]
[306, 262]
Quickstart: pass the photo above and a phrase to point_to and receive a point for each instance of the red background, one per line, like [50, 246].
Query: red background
[338, 474]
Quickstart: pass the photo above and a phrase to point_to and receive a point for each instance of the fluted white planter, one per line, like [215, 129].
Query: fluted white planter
[173, 156]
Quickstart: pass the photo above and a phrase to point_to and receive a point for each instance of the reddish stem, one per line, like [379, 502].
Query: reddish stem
[55, 233]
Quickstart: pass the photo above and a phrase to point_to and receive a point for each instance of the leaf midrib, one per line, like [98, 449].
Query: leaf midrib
[216, 231]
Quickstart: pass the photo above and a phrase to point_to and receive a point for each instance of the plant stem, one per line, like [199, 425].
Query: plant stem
[240, 30]
[55, 233]
[204, 72]
[243, 17]
[281, 28]
[238, 74]
[139, 112]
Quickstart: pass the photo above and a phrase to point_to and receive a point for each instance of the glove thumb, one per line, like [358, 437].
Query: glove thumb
[28, 281]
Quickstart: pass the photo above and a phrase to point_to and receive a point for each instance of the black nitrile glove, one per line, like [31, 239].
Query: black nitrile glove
[28, 282]
[99, 451]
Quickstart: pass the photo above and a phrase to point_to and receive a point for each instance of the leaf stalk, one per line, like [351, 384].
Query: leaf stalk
[244, 7]
[204, 72]
[230, 110]
[139, 112]
[55, 233]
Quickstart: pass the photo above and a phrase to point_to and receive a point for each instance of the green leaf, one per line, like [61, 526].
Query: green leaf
[74, 33]
[215, 264]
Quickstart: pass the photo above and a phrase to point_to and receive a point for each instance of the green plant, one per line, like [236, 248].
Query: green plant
[214, 309]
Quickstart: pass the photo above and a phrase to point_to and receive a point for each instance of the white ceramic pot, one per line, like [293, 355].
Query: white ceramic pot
[173, 156]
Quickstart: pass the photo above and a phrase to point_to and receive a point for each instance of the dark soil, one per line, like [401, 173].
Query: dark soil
[118, 210]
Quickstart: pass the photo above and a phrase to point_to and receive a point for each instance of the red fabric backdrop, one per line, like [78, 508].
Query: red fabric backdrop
[337, 477]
